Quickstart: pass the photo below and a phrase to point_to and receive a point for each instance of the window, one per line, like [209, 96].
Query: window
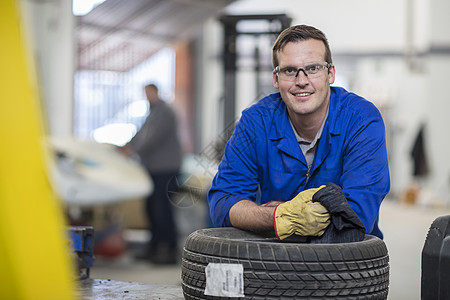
[111, 106]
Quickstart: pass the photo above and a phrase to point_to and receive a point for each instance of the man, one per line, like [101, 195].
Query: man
[290, 144]
[158, 145]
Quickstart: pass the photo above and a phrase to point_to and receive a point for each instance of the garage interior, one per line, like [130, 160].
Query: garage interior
[212, 59]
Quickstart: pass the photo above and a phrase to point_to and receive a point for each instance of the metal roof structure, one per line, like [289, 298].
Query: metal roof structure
[119, 34]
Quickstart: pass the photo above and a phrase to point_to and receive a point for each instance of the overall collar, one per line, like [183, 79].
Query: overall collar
[282, 133]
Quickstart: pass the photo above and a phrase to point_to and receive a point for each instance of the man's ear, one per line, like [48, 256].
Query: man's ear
[331, 74]
[275, 80]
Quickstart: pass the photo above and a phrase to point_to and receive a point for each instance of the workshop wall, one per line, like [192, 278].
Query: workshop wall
[51, 25]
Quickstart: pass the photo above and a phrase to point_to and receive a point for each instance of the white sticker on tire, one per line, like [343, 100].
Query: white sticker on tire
[224, 280]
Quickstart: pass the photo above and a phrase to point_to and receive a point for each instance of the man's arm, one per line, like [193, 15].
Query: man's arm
[250, 216]
[298, 216]
[365, 177]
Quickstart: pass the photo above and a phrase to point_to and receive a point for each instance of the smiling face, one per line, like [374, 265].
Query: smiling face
[305, 96]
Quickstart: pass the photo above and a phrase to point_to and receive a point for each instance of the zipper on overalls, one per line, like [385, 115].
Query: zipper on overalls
[308, 174]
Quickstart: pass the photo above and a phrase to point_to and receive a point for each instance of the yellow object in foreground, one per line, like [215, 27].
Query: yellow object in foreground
[301, 216]
[34, 253]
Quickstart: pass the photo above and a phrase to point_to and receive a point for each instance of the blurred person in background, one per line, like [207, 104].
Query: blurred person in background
[158, 146]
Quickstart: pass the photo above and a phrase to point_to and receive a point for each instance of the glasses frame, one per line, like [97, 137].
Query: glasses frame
[277, 70]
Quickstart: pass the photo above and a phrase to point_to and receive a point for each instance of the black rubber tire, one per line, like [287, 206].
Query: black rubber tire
[280, 270]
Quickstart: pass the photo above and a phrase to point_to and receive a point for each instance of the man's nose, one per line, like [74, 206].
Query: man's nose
[301, 77]
[298, 72]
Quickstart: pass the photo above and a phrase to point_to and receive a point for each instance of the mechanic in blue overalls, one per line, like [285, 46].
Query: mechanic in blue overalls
[308, 138]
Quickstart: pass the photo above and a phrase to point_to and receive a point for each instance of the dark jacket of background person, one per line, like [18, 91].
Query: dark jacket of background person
[157, 143]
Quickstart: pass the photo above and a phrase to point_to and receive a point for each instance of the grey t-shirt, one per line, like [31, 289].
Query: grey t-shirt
[309, 147]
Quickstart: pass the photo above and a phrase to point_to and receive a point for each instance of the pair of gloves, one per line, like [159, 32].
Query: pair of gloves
[312, 211]
[301, 216]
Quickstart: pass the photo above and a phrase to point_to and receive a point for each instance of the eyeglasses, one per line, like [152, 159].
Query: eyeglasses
[291, 73]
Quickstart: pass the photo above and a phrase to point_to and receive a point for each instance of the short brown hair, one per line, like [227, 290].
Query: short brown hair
[299, 33]
[151, 86]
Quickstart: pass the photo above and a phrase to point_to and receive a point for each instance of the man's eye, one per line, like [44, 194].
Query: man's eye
[290, 71]
[312, 68]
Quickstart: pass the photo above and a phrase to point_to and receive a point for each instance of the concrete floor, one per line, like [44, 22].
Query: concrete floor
[405, 228]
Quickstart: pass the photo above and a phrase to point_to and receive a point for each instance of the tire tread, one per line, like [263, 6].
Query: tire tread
[274, 270]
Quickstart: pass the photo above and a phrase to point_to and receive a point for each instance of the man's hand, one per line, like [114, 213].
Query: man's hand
[301, 216]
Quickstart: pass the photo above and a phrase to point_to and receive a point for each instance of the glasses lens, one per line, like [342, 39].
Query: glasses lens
[290, 73]
[312, 69]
